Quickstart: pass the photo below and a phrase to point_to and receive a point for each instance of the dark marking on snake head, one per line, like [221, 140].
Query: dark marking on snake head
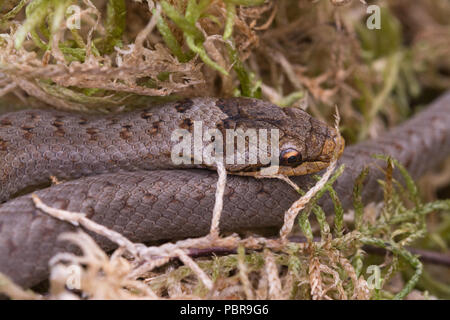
[231, 107]
[3, 145]
[220, 125]
[184, 105]
[186, 124]
[146, 115]
[5, 122]
[229, 124]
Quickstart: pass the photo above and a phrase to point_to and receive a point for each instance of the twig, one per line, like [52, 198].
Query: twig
[243, 274]
[218, 205]
[195, 268]
[426, 256]
[271, 269]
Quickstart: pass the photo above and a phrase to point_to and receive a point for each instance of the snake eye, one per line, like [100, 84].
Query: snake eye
[290, 157]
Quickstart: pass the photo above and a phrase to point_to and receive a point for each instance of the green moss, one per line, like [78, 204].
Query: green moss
[115, 25]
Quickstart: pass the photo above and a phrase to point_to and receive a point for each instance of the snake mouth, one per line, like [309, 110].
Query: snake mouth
[307, 167]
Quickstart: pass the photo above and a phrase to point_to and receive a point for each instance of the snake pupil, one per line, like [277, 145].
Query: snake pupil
[292, 159]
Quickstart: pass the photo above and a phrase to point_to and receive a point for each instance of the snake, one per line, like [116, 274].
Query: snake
[119, 171]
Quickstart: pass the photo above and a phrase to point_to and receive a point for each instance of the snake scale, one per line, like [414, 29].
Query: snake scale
[121, 162]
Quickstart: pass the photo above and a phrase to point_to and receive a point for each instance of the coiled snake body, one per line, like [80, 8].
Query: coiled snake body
[115, 153]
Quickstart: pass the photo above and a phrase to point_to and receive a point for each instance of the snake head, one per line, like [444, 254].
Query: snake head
[305, 145]
[298, 156]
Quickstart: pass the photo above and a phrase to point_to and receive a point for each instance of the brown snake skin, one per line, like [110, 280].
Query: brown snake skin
[168, 204]
[37, 144]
